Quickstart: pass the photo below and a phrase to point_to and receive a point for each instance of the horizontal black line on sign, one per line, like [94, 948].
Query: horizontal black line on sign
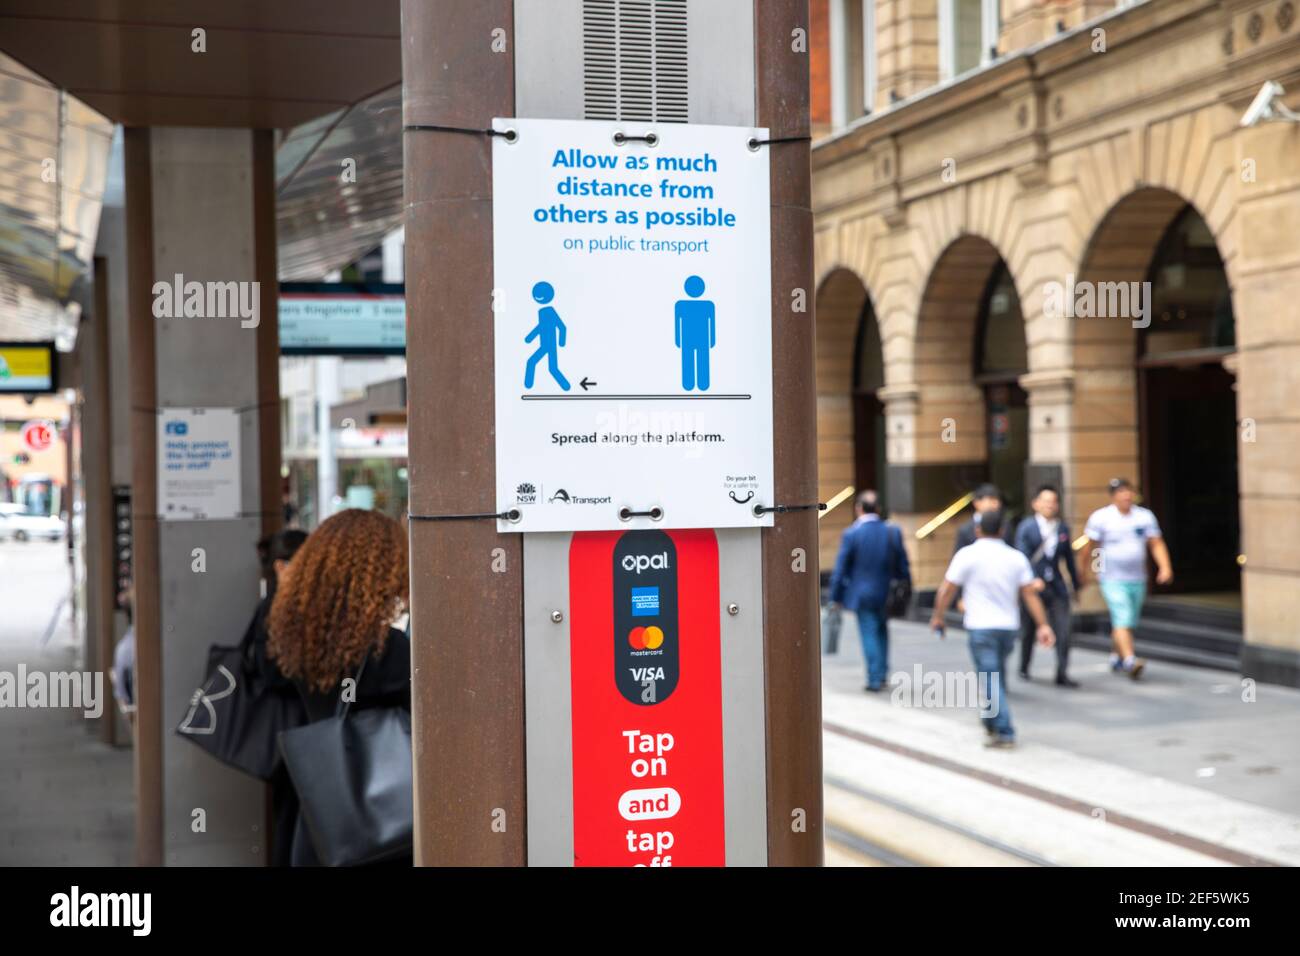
[633, 398]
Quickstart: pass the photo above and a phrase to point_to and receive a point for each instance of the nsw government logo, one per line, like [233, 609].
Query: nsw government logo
[528, 493]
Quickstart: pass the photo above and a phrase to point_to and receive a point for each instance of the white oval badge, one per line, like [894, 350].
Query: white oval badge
[654, 803]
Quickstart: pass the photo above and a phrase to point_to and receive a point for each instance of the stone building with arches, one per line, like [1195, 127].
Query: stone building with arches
[1067, 262]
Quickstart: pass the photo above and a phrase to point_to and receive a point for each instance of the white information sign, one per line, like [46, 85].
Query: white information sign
[632, 302]
[198, 464]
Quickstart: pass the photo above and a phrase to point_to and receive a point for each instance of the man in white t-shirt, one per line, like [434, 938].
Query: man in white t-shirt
[1124, 532]
[994, 578]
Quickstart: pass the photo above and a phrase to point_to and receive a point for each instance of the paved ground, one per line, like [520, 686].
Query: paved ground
[1189, 765]
[65, 798]
[1185, 724]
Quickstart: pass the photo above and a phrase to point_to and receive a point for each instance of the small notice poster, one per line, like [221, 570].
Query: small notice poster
[632, 308]
[198, 464]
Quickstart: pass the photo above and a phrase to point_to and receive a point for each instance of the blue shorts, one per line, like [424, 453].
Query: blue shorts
[1124, 600]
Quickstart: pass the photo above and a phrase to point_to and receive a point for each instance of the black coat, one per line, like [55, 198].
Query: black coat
[966, 533]
[385, 682]
[1030, 540]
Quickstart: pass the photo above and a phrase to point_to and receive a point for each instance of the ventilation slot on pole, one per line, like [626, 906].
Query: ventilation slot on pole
[634, 60]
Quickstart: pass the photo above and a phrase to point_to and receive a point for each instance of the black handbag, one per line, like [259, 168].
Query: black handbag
[899, 599]
[235, 716]
[353, 777]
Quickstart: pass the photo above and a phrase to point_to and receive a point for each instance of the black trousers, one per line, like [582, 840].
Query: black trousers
[1057, 608]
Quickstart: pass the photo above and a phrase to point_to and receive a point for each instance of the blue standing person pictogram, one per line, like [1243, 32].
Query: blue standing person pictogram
[696, 333]
[550, 334]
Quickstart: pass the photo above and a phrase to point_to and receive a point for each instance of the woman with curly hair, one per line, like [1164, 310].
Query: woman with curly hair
[341, 603]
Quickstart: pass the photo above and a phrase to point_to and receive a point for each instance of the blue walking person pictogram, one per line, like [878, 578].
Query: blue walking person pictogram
[550, 334]
[696, 333]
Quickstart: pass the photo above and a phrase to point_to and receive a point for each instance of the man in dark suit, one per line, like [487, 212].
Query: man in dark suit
[1044, 538]
[987, 498]
[871, 556]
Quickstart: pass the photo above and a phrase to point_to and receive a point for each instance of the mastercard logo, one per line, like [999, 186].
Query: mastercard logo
[646, 638]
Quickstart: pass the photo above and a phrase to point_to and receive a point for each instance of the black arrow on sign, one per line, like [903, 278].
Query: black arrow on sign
[586, 384]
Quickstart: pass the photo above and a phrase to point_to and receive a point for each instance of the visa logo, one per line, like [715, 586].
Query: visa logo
[647, 673]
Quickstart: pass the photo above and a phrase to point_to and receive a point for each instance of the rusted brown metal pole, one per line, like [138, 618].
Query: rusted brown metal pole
[792, 649]
[467, 716]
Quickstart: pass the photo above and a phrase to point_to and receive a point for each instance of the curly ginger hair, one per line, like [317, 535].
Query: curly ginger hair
[338, 597]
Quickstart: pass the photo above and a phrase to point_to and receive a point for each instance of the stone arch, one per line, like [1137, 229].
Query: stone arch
[938, 420]
[1107, 434]
[844, 308]
[944, 352]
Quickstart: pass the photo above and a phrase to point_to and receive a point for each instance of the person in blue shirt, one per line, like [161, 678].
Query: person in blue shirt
[695, 333]
[871, 556]
[550, 334]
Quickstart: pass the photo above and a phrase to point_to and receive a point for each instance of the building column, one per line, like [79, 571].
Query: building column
[1267, 273]
[199, 204]
[935, 451]
[1051, 406]
[931, 455]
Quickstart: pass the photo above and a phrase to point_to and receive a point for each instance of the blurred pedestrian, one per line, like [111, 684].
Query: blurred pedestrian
[1044, 538]
[994, 578]
[274, 552]
[871, 559]
[342, 601]
[1124, 532]
[986, 497]
[123, 672]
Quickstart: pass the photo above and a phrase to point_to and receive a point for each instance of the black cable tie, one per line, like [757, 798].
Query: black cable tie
[755, 142]
[760, 510]
[512, 515]
[509, 135]
[627, 514]
[650, 139]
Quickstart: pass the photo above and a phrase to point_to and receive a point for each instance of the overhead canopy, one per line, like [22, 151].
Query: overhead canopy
[327, 73]
[266, 65]
[53, 160]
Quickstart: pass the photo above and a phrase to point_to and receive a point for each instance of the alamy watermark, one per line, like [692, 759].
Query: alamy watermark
[1098, 300]
[208, 300]
[932, 690]
[74, 689]
[74, 908]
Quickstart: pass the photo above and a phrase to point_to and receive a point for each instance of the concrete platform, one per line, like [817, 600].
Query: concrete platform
[1186, 766]
[65, 798]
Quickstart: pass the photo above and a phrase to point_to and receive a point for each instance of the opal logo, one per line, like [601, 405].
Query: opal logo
[644, 562]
